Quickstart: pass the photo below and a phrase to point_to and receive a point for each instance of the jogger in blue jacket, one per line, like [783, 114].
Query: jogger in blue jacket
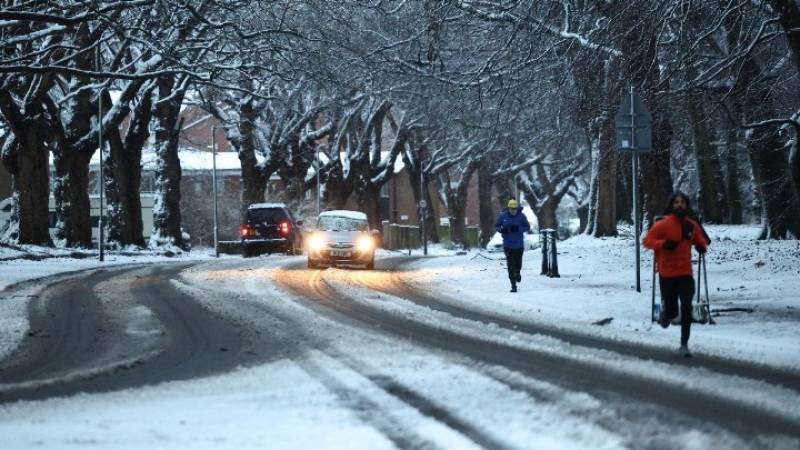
[513, 225]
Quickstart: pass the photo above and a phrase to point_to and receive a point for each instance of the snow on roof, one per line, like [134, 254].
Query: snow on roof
[195, 160]
[357, 215]
[266, 205]
[199, 160]
[191, 159]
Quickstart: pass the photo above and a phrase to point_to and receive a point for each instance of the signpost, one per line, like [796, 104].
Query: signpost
[635, 134]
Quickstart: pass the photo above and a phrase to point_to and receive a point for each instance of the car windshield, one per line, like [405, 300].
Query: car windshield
[268, 215]
[336, 223]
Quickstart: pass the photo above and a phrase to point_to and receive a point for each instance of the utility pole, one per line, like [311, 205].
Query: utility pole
[100, 224]
[214, 189]
[319, 192]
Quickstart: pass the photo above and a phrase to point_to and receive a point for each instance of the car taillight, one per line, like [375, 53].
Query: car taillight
[248, 231]
[285, 228]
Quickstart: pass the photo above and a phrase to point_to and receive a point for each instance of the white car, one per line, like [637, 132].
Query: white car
[496, 243]
[342, 238]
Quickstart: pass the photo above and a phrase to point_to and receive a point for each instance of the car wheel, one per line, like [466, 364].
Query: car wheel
[246, 252]
[312, 264]
[371, 264]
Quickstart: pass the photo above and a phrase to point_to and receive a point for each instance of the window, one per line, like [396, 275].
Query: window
[385, 190]
[148, 182]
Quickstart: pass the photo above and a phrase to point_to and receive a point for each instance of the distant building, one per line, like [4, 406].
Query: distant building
[397, 203]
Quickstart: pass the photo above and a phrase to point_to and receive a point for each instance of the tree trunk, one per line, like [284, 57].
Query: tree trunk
[254, 181]
[166, 209]
[546, 214]
[754, 101]
[605, 209]
[712, 198]
[656, 178]
[431, 222]
[485, 210]
[624, 193]
[369, 201]
[458, 211]
[124, 179]
[734, 193]
[26, 159]
[583, 218]
[71, 192]
[778, 193]
[25, 156]
[431, 218]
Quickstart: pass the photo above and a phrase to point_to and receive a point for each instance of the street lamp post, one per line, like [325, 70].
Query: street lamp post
[319, 193]
[214, 188]
[100, 224]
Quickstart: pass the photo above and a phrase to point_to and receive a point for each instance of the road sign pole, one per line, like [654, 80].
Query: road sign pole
[635, 134]
[423, 209]
[636, 227]
[214, 189]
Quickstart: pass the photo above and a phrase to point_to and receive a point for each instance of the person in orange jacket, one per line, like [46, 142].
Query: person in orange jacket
[672, 239]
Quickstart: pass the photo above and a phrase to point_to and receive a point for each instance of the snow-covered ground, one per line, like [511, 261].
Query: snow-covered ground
[598, 282]
[331, 385]
[339, 392]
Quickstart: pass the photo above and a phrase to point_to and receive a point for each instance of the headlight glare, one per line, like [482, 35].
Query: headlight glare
[316, 242]
[364, 244]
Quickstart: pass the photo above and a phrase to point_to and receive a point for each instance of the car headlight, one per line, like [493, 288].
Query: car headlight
[364, 244]
[316, 242]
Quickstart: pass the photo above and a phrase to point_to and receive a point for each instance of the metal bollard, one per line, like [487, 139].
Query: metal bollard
[543, 242]
[549, 253]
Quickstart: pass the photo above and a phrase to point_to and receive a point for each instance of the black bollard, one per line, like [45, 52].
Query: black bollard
[554, 257]
[543, 241]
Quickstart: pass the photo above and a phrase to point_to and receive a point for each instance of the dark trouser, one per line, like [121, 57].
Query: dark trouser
[514, 263]
[671, 289]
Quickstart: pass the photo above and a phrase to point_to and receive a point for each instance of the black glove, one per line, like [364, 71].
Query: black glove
[670, 244]
[503, 230]
[688, 231]
[700, 249]
[515, 228]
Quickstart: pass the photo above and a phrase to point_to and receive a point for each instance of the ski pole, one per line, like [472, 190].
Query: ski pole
[705, 281]
[699, 283]
[653, 297]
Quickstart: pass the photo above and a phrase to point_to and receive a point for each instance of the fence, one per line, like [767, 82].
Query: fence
[400, 237]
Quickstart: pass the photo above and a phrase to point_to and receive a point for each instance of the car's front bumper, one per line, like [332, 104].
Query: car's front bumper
[340, 256]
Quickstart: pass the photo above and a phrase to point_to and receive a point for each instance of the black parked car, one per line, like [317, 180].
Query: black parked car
[271, 228]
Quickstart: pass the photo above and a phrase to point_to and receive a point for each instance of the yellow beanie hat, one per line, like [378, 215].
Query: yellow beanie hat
[513, 204]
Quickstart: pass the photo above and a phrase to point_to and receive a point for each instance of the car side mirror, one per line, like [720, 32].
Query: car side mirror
[300, 223]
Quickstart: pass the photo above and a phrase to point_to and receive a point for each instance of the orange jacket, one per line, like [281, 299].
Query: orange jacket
[678, 262]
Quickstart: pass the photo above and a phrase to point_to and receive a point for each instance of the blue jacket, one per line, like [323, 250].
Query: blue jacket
[513, 228]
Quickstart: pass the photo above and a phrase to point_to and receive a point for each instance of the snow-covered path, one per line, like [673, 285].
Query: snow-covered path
[357, 359]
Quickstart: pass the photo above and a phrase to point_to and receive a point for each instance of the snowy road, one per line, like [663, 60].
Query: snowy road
[354, 359]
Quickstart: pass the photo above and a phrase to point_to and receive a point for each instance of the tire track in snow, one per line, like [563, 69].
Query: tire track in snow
[566, 372]
[197, 342]
[366, 409]
[399, 285]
